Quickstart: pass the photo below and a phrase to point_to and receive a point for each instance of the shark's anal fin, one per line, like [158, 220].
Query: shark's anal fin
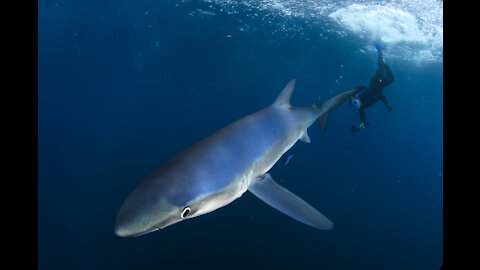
[288, 203]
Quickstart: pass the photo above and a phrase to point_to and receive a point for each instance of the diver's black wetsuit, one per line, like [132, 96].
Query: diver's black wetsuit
[383, 78]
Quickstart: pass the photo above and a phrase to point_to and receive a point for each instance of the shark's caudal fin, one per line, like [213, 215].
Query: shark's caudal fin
[283, 100]
[332, 103]
[288, 203]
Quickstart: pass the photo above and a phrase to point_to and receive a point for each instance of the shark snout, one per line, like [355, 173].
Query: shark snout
[139, 216]
[122, 231]
[127, 225]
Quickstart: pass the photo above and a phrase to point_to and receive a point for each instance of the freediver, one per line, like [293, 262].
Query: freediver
[383, 78]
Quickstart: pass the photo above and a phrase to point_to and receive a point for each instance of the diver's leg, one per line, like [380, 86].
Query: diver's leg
[383, 69]
[379, 50]
[381, 61]
[381, 65]
[388, 78]
[384, 75]
[379, 76]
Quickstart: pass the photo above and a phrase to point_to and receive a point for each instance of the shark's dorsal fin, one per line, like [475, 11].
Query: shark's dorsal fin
[283, 100]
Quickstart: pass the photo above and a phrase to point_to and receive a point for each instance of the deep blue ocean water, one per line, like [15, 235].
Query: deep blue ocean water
[125, 85]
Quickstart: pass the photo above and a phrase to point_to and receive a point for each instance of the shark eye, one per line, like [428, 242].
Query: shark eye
[186, 211]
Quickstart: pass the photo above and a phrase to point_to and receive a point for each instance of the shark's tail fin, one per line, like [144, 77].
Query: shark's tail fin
[332, 103]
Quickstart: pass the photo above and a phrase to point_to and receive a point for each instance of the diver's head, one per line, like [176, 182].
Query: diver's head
[356, 103]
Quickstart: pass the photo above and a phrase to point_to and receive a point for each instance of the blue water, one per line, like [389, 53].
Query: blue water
[125, 85]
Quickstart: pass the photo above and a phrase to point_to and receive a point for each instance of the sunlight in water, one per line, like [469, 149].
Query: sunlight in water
[411, 30]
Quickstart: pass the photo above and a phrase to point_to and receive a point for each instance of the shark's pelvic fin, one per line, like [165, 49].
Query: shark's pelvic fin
[283, 100]
[288, 203]
[305, 138]
[322, 121]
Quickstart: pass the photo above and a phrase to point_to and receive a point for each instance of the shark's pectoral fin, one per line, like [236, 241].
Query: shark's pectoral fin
[288, 203]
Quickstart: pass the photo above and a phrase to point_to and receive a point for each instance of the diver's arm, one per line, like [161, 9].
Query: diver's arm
[385, 101]
[363, 124]
[362, 115]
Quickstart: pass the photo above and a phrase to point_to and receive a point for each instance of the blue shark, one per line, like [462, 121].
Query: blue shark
[223, 166]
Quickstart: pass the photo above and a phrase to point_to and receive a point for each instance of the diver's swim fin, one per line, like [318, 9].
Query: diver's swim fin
[278, 197]
[378, 46]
